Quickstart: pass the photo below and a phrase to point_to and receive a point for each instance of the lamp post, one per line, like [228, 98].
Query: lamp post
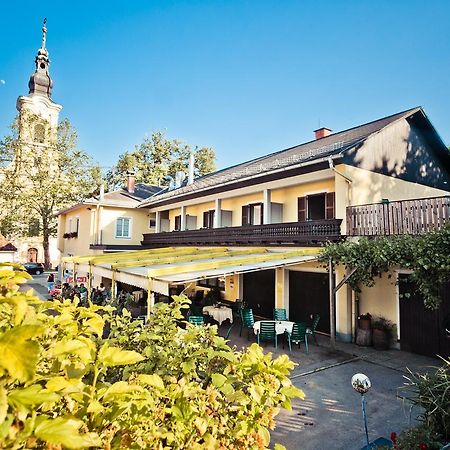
[362, 384]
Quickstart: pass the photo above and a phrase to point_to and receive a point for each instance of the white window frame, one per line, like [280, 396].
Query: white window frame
[129, 228]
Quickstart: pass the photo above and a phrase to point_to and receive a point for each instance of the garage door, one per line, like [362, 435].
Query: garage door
[308, 294]
[422, 330]
[259, 292]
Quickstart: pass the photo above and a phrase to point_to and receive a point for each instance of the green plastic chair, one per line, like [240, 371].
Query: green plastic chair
[196, 310]
[196, 320]
[312, 329]
[279, 314]
[247, 321]
[297, 335]
[267, 332]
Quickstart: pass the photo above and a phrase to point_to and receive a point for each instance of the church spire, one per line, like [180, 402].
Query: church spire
[40, 82]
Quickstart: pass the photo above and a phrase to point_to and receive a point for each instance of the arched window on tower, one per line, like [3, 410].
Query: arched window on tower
[39, 133]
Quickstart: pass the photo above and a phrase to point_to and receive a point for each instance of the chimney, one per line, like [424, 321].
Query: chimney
[131, 181]
[101, 196]
[191, 168]
[322, 132]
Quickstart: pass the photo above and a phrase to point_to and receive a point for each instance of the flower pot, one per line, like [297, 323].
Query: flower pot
[364, 324]
[380, 339]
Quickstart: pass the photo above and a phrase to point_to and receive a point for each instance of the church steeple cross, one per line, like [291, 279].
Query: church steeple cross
[44, 33]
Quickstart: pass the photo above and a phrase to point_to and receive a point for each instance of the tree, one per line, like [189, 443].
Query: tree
[157, 157]
[43, 171]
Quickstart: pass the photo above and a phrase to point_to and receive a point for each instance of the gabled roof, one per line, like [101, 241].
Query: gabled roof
[309, 152]
[5, 245]
[120, 198]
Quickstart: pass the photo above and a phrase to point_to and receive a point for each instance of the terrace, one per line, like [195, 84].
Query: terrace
[398, 217]
[311, 233]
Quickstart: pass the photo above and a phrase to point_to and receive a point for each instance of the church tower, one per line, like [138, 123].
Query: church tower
[38, 104]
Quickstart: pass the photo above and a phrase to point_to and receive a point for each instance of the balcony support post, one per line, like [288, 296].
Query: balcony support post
[267, 210]
[218, 213]
[183, 218]
[158, 222]
[332, 305]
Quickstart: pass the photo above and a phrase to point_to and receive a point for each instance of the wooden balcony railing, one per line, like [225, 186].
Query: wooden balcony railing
[294, 233]
[399, 217]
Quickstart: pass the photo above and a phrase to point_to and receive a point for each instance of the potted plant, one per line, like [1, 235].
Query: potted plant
[365, 321]
[383, 333]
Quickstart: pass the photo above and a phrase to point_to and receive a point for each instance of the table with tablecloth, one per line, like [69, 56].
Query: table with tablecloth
[219, 313]
[280, 326]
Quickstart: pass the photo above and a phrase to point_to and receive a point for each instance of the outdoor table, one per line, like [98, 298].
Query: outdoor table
[219, 313]
[280, 326]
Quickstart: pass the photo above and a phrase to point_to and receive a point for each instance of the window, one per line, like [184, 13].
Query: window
[208, 219]
[152, 223]
[123, 227]
[252, 214]
[316, 207]
[39, 133]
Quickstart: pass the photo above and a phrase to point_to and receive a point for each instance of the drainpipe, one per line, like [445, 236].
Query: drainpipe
[346, 178]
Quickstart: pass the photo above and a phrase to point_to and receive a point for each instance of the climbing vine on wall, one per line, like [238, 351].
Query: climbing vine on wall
[427, 255]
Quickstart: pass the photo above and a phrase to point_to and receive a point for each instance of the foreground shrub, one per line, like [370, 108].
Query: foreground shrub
[431, 392]
[63, 385]
[420, 438]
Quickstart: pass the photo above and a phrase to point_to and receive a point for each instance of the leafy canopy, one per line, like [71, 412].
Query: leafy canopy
[426, 255]
[168, 384]
[157, 157]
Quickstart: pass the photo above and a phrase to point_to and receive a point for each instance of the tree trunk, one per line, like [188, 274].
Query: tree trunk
[45, 243]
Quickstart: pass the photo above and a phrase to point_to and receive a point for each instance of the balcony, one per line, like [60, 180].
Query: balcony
[400, 217]
[309, 233]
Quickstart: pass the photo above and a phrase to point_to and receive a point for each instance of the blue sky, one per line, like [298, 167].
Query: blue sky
[244, 77]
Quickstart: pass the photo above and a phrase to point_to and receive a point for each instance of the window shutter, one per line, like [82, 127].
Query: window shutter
[262, 214]
[245, 211]
[177, 223]
[126, 228]
[205, 219]
[302, 209]
[329, 205]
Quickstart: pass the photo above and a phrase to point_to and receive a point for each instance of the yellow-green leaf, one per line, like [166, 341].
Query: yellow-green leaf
[292, 392]
[114, 356]
[65, 432]
[152, 380]
[3, 404]
[32, 395]
[218, 379]
[18, 355]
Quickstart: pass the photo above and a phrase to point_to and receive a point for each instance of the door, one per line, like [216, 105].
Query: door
[423, 330]
[309, 295]
[259, 292]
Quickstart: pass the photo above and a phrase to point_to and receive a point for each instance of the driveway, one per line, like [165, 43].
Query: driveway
[330, 416]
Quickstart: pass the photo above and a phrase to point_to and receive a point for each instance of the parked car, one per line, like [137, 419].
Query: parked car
[34, 268]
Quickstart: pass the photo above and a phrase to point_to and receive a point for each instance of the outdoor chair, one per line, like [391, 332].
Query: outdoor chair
[227, 336]
[196, 320]
[297, 336]
[247, 321]
[196, 310]
[279, 314]
[237, 307]
[312, 329]
[267, 332]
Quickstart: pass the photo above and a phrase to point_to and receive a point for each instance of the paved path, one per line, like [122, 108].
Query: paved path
[330, 416]
[39, 285]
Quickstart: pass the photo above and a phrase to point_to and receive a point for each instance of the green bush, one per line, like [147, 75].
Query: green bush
[63, 385]
[431, 392]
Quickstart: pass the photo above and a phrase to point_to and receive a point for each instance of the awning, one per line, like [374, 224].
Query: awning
[158, 268]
